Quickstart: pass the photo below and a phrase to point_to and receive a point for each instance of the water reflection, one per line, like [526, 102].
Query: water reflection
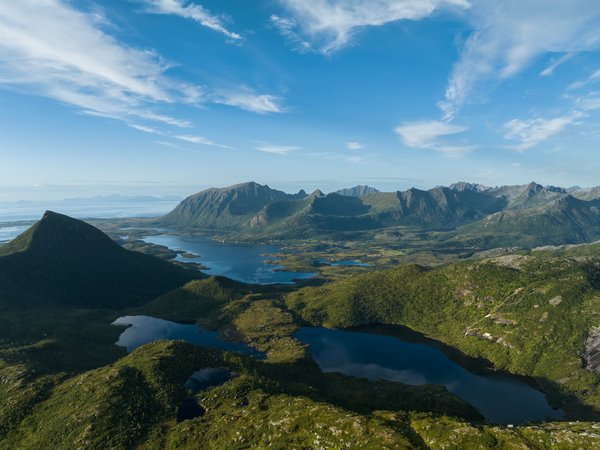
[208, 377]
[247, 263]
[499, 398]
[144, 329]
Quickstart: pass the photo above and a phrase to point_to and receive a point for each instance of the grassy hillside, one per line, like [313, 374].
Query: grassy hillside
[64, 384]
[564, 221]
[527, 314]
[133, 403]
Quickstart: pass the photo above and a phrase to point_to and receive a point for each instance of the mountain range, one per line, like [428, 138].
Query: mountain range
[529, 214]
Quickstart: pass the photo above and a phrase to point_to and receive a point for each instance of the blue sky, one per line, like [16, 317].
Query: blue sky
[166, 97]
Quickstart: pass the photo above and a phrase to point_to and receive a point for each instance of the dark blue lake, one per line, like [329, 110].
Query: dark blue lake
[144, 329]
[247, 263]
[501, 399]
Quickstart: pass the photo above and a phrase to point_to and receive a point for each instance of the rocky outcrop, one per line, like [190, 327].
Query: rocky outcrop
[591, 355]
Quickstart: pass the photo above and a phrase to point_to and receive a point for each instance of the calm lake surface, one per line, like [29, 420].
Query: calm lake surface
[144, 329]
[499, 398]
[242, 262]
[8, 233]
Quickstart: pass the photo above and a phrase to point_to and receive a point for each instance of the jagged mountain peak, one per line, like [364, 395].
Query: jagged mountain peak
[463, 186]
[356, 191]
[67, 260]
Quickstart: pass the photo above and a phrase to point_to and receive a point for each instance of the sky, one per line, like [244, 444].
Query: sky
[166, 97]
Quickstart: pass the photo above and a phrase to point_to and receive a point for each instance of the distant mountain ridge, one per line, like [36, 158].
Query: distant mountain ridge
[357, 191]
[467, 210]
[65, 260]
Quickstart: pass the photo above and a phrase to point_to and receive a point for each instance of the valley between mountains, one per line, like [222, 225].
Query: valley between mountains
[500, 281]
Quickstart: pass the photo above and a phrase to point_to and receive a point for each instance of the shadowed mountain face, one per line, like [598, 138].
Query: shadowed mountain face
[227, 208]
[472, 212]
[66, 260]
[252, 207]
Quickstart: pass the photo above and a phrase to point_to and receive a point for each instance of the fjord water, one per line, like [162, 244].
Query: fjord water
[144, 329]
[9, 232]
[239, 261]
[501, 399]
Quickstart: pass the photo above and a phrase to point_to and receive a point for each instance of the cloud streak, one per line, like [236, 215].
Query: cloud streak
[529, 133]
[250, 101]
[432, 135]
[278, 149]
[329, 25]
[195, 12]
[509, 35]
[51, 49]
[354, 146]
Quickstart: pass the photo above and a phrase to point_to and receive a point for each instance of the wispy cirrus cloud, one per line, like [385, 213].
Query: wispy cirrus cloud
[193, 11]
[328, 25]
[594, 77]
[250, 101]
[354, 146]
[509, 35]
[555, 64]
[190, 138]
[51, 49]
[432, 135]
[278, 149]
[531, 132]
[143, 128]
[200, 140]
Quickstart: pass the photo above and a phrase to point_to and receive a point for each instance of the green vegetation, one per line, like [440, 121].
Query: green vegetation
[64, 260]
[463, 216]
[529, 315]
[64, 384]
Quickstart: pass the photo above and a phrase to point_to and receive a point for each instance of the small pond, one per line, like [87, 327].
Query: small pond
[144, 329]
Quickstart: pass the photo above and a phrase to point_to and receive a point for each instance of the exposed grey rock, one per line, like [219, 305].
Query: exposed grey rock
[591, 355]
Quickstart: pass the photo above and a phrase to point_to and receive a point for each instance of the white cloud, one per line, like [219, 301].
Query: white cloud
[328, 25]
[529, 133]
[555, 63]
[144, 128]
[582, 83]
[191, 11]
[589, 102]
[427, 135]
[194, 139]
[278, 149]
[286, 27]
[50, 49]
[354, 146]
[249, 101]
[509, 35]
[200, 140]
